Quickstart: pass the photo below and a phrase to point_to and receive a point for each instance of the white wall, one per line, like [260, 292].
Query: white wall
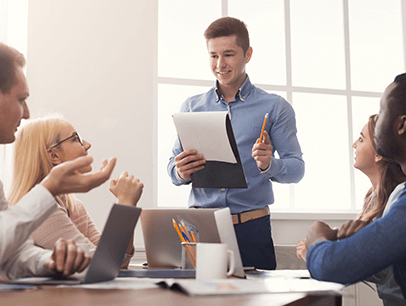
[95, 62]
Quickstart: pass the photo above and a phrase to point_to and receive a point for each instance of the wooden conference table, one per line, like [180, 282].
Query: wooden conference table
[64, 296]
[61, 296]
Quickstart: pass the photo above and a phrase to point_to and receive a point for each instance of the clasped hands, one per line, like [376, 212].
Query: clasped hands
[320, 231]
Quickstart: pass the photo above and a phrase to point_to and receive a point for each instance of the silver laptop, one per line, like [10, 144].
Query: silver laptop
[227, 235]
[163, 246]
[106, 262]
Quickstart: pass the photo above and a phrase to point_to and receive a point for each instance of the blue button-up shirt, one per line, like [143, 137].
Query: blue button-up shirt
[247, 113]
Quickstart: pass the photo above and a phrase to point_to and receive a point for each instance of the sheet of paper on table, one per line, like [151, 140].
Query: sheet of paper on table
[122, 283]
[247, 286]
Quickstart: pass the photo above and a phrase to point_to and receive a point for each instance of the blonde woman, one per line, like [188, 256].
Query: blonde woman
[44, 143]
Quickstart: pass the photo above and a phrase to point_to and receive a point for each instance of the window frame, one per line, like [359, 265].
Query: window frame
[289, 88]
[15, 37]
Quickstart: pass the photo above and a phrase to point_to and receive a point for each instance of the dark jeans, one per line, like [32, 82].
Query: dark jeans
[256, 245]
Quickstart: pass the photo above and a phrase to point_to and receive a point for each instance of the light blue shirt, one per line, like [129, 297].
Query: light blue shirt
[247, 113]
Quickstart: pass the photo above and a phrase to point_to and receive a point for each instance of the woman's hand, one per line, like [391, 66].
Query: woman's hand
[127, 189]
[350, 228]
[320, 231]
[301, 250]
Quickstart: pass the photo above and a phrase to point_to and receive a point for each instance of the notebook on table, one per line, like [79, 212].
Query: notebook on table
[106, 262]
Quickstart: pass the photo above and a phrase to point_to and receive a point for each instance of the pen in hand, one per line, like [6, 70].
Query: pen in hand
[263, 128]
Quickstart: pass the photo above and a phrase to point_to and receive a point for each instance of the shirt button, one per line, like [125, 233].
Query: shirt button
[222, 189]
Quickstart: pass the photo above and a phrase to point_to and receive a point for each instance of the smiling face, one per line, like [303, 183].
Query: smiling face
[227, 61]
[366, 159]
[13, 108]
[70, 149]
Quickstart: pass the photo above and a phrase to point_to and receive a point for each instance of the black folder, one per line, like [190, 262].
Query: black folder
[217, 174]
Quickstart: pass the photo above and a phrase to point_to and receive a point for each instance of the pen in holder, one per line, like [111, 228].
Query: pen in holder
[188, 255]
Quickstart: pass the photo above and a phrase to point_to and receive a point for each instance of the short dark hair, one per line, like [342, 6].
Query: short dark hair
[228, 26]
[10, 60]
[397, 97]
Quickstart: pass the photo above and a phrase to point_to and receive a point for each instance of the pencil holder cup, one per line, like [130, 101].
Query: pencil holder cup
[188, 255]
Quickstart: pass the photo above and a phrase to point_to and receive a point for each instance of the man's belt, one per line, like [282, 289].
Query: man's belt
[250, 215]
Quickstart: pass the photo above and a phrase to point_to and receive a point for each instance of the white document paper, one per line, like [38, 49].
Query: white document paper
[302, 274]
[206, 133]
[121, 283]
[244, 286]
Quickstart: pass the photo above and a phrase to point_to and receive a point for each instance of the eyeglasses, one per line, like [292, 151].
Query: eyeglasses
[74, 135]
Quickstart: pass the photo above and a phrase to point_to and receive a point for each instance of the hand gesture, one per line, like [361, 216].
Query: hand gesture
[320, 231]
[67, 258]
[301, 250]
[262, 152]
[127, 189]
[66, 178]
[350, 228]
[188, 162]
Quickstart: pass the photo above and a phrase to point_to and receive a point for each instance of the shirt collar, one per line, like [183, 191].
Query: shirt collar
[242, 93]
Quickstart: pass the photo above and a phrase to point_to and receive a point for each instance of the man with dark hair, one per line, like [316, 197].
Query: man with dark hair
[229, 26]
[380, 244]
[229, 50]
[10, 60]
[18, 255]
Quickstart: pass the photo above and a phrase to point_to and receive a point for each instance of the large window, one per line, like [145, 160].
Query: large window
[13, 32]
[331, 59]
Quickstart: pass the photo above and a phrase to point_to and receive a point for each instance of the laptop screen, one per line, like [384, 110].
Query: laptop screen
[162, 244]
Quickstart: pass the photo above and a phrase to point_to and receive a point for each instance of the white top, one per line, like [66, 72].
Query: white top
[18, 255]
[393, 197]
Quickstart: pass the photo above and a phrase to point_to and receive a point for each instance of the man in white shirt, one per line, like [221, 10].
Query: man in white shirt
[18, 255]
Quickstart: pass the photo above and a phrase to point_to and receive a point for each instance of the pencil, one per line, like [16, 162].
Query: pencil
[184, 230]
[193, 237]
[263, 128]
[191, 252]
[175, 225]
[184, 236]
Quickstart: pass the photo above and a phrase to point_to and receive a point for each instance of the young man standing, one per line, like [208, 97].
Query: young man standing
[382, 243]
[229, 50]
[18, 255]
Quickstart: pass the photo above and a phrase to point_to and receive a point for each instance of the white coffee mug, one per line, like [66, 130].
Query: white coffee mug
[211, 261]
